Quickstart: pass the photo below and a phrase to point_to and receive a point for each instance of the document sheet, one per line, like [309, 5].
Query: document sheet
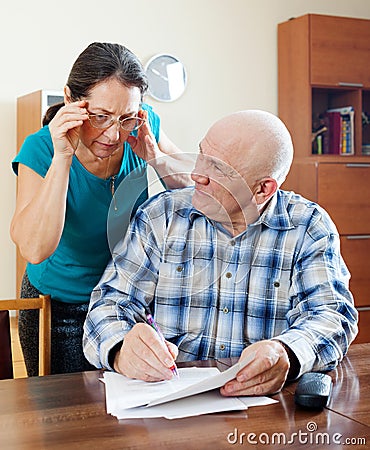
[195, 392]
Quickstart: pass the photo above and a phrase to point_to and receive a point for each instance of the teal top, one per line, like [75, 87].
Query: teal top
[93, 223]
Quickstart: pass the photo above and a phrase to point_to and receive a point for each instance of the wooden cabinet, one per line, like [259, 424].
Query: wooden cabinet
[363, 325]
[30, 111]
[356, 253]
[344, 190]
[324, 63]
[339, 49]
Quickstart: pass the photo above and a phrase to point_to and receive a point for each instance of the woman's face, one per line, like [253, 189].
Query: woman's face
[112, 98]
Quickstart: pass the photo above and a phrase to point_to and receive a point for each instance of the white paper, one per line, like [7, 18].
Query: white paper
[123, 392]
[191, 381]
[205, 403]
[204, 385]
[193, 393]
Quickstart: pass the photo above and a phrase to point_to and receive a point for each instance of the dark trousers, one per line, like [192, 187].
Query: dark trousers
[67, 321]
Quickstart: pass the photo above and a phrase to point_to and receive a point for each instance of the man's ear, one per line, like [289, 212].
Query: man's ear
[265, 190]
[67, 95]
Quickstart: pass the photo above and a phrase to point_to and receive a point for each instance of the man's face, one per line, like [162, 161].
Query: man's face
[221, 193]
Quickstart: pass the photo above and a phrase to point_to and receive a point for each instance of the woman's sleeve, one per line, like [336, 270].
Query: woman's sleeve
[36, 152]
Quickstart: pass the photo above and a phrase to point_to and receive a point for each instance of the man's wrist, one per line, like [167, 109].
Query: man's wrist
[113, 353]
[294, 365]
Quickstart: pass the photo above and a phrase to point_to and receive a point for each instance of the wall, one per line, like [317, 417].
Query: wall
[228, 47]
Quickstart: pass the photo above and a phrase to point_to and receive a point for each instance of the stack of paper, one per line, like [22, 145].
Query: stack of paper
[195, 392]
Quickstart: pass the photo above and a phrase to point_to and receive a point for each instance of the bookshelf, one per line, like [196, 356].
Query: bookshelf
[324, 64]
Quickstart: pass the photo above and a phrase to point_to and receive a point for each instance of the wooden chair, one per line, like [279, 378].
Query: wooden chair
[42, 303]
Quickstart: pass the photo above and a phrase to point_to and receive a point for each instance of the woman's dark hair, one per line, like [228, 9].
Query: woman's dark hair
[98, 62]
[50, 113]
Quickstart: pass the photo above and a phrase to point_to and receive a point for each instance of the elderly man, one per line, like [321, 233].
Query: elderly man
[233, 266]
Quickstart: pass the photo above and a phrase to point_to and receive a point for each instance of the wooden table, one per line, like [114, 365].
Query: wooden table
[68, 412]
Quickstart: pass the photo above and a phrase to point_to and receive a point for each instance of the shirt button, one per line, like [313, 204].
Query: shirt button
[222, 347]
[179, 268]
[232, 243]
[225, 310]
[228, 275]
[276, 284]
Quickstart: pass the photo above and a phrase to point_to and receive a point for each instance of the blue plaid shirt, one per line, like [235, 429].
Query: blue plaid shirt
[213, 294]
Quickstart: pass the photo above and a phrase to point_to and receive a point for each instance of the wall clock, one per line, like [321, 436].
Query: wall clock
[166, 77]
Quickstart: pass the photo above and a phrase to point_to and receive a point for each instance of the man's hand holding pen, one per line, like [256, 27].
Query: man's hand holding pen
[144, 355]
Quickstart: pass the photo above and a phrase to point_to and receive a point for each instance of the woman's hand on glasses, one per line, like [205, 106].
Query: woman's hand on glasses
[65, 128]
[144, 145]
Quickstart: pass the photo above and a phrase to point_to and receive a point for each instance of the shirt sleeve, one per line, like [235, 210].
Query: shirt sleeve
[125, 289]
[323, 319]
[36, 152]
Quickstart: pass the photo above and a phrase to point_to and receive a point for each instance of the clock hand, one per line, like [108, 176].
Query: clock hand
[155, 71]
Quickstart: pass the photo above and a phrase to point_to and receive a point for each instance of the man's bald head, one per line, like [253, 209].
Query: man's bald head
[253, 142]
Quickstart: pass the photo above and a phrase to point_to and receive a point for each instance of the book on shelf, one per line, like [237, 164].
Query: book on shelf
[335, 132]
[339, 139]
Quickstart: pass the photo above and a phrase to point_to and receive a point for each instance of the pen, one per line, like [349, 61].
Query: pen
[150, 321]
[154, 324]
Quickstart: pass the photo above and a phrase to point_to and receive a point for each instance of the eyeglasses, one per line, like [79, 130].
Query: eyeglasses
[104, 121]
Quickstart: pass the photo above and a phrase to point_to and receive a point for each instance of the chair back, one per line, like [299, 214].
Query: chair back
[42, 303]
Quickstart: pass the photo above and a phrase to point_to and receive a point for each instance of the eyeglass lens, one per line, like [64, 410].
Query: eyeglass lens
[105, 121]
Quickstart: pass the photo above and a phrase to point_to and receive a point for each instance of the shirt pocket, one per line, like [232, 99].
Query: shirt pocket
[174, 299]
[174, 282]
[268, 303]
